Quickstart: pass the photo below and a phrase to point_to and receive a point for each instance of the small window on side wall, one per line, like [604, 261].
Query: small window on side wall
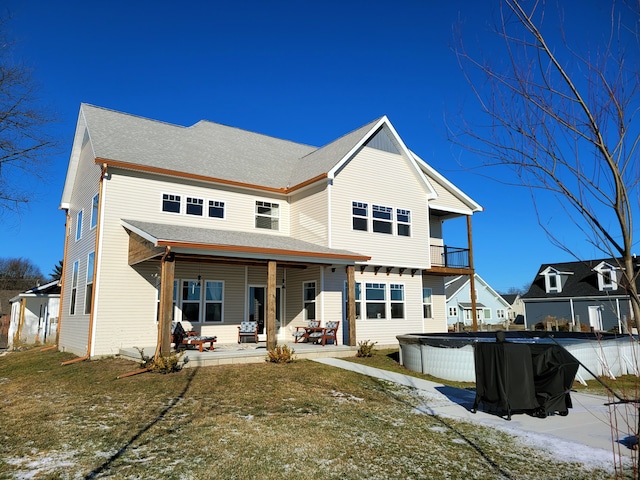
[360, 212]
[267, 215]
[171, 203]
[79, 226]
[195, 206]
[216, 209]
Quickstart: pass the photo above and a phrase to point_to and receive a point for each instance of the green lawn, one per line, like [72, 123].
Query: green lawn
[265, 421]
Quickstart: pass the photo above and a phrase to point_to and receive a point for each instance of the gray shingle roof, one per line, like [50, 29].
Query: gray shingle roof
[583, 282]
[212, 150]
[244, 241]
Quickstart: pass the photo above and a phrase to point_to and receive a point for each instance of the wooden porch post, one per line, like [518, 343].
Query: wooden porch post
[351, 304]
[167, 275]
[472, 278]
[271, 305]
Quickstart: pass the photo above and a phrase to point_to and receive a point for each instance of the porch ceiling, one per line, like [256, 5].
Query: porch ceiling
[147, 240]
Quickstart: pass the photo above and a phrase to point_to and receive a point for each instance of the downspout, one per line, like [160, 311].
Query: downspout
[93, 291]
[62, 282]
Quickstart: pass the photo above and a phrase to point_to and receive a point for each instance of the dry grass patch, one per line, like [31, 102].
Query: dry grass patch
[269, 421]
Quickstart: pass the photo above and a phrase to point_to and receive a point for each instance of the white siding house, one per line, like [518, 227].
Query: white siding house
[237, 226]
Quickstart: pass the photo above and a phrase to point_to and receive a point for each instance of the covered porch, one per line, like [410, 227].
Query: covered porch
[212, 280]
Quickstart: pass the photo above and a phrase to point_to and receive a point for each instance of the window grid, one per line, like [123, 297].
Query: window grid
[403, 217]
[216, 209]
[213, 301]
[427, 309]
[382, 219]
[309, 300]
[94, 211]
[171, 203]
[88, 293]
[195, 206]
[360, 212]
[376, 300]
[397, 300]
[267, 215]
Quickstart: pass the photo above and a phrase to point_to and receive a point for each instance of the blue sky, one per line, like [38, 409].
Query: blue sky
[305, 71]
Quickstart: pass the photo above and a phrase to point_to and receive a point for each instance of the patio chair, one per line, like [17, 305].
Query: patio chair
[302, 333]
[328, 333]
[248, 330]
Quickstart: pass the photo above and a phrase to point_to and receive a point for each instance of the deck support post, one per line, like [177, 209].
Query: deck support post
[472, 277]
[351, 304]
[271, 305]
[167, 275]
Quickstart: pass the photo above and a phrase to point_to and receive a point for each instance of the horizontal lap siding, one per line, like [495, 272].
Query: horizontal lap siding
[139, 197]
[439, 306]
[445, 199]
[380, 178]
[74, 328]
[309, 215]
[385, 330]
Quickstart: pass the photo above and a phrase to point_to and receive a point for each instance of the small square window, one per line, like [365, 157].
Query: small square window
[216, 209]
[171, 203]
[195, 206]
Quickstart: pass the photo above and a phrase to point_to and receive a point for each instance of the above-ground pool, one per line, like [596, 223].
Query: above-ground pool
[450, 355]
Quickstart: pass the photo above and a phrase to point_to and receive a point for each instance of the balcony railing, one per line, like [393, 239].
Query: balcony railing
[449, 257]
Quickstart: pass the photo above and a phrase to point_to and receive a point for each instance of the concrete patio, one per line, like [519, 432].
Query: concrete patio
[234, 353]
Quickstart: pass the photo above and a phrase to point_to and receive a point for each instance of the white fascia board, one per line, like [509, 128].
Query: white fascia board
[475, 207]
[406, 153]
[74, 160]
[142, 233]
[332, 173]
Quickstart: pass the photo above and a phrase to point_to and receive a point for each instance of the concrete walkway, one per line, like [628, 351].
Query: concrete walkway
[589, 423]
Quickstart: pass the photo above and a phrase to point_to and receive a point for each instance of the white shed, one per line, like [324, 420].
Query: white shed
[34, 315]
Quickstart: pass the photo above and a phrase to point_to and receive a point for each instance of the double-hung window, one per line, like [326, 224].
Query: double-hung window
[79, 226]
[94, 211]
[195, 206]
[267, 215]
[191, 300]
[382, 219]
[213, 301]
[170, 203]
[500, 313]
[376, 300]
[309, 299]
[403, 218]
[88, 292]
[453, 312]
[360, 213]
[74, 288]
[397, 300]
[216, 209]
[427, 310]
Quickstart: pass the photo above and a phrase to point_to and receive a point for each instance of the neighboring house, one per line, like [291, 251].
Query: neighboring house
[212, 225]
[491, 308]
[586, 292]
[516, 308]
[5, 317]
[34, 315]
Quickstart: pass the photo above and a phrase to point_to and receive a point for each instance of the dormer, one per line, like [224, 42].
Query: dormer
[554, 279]
[607, 276]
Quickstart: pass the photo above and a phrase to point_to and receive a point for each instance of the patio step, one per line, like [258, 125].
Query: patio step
[229, 354]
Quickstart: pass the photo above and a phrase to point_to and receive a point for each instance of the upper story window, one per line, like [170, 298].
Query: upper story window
[403, 218]
[79, 225]
[607, 277]
[453, 311]
[382, 219]
[195, 206]
[552, 280]
[267, 215]
[170, 203]
[94, 211]
[216, 209]
[360, 213]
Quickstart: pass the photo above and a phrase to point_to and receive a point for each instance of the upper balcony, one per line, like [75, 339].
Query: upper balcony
[446, 260]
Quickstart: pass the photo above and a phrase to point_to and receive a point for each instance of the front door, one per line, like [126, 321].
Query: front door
[258, 309]
[595, 317]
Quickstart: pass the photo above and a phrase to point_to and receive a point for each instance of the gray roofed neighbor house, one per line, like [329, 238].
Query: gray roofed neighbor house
[212, 150]
[238, 242]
